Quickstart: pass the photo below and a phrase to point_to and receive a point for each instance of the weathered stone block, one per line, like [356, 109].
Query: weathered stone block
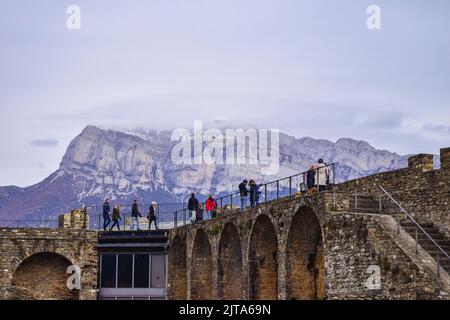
[421, 163]
[445, 160]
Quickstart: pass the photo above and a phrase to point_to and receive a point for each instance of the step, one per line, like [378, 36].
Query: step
[440, 242]
[435, 235]
[427, 230]
[409, 223]
[364, 210]
[429, 246]
[374, 205]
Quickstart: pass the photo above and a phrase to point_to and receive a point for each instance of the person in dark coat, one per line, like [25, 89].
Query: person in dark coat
[116, 217]
[311, 177]
[254, 194]
[243, 191]
[193, 207]
[106, 214]
[135, 215]
[152, 215]
[199, 213]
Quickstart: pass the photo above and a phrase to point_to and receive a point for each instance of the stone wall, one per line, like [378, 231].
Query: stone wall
[33, 263]
[358, 244]
[299, 248]
[421, 190]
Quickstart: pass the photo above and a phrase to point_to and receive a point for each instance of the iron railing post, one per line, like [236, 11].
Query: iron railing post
[231, 200]
[380, 206]
[334, 187]
[417, 241]
[317, 179]
[278, 189]
[438, 266]
[184, 217]
[175, 219]
[290, 186]
[265, 193]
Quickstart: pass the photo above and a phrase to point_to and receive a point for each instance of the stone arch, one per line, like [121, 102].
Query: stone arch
[201, 268]
[263, 261]
[43, 276]
[177, 285]
[305, 270]
[230, 264]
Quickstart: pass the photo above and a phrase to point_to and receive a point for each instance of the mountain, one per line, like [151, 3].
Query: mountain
[127, 165]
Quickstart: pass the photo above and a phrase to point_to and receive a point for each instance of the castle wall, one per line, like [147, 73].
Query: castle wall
[33, 262]
[346, 247]
[421, 190]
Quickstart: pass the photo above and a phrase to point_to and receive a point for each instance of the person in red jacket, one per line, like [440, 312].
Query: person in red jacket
[211, 206]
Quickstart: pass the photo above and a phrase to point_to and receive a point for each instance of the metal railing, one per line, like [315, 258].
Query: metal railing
[164, 214]
[172, 215]
[270, 191]
[441, 253]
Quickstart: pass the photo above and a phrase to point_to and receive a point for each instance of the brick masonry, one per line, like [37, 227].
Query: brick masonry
[33, 262]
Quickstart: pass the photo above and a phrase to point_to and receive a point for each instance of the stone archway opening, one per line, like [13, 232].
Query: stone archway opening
[201, 268]
[305, 270]
[230, 264]
[177, 286]
[263, 261]
[43, 276]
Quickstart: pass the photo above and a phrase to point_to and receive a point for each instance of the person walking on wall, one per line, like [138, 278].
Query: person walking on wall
[311, 177]
[254, 194]
[135, 215]
[243, 191]
[199, 213]
[152, 215]
[116, 217]
[322, 175]
[193, 207]
[106, 214]
[211, 206]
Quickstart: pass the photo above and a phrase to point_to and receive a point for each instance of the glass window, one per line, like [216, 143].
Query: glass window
[158, 271]
[141, 270]
[108, 276]
[125, 271]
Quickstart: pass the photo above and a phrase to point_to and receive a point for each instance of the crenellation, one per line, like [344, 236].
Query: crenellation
[421, 163]
[445, 160]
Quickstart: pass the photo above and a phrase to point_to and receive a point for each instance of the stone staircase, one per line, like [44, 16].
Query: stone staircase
[364, 204]
[371, 204]
[427, 244]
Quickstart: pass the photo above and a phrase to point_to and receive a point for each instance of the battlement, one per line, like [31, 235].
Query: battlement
[76, 219]
[445, 160]
[421, 163]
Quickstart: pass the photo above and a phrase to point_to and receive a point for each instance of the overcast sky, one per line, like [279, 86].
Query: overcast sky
[308, 68]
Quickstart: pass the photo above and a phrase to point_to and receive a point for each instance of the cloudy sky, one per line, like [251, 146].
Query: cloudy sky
[308, 68]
